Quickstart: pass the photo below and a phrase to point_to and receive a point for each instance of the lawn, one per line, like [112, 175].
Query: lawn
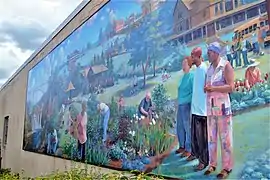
[251, 137]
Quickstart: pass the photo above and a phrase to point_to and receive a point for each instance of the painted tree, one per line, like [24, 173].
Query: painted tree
[140, 49]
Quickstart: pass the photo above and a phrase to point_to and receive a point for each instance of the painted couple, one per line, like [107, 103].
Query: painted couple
[204, 110]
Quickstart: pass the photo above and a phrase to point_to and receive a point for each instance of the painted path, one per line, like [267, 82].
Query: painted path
[251, 138]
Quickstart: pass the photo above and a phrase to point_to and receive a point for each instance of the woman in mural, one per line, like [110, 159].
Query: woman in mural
[185, 89]
[252, 75]
[82, 128]
[105, 112]
[219, 83]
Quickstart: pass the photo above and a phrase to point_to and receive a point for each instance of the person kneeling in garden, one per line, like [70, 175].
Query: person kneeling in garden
[105, 112]
[145, 107]
[185, 90]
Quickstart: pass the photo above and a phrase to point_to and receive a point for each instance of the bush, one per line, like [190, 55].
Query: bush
[79, 173]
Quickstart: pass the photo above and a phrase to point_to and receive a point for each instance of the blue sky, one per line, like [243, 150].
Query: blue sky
[90, 30]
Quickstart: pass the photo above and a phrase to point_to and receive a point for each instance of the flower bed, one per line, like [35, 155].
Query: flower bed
[243, 98]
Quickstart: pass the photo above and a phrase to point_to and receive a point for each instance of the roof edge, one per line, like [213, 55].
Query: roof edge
[78, 9]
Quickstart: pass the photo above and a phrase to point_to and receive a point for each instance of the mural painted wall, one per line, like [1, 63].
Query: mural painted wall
[119, 91]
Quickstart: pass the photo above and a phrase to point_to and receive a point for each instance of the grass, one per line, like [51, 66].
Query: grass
[78, 173]
[250, 137]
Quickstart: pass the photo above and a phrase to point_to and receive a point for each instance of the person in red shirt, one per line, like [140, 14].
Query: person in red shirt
[252, 75]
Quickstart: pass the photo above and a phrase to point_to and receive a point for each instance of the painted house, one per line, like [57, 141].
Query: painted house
[215, 17]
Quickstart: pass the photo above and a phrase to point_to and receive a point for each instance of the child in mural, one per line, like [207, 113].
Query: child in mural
[185, 89]
[134, 84]
[105, 112]
[229, 52]
[255, 43]
[244, 52]
[199, 138]
[82, 127]
[121, 104]
[252, 75]
[36, 127]
[219, 83]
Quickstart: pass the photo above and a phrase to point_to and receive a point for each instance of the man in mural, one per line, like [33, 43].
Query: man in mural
[219, 83]
[229, 52]
[252, 75]
[145, 106]
[245, 46]
[82, 131]
[199, 141]
[105, 112]
[185, 89]
[36, 127]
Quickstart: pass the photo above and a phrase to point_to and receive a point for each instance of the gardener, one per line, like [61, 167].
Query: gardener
[105, 112]
[82, 128]
[184, 108]
[145, 107]
[219, 83]
[252, 75]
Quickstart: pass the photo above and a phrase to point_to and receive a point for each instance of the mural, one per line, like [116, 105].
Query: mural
[127, 90]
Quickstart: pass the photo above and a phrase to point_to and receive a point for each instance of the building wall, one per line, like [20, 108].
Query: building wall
[12, 104]
[200, 12]
[180, 14]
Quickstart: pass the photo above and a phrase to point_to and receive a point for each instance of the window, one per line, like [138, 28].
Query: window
[228, 5]
[217, 26]
[246, 31]
[250, 29]
[180, 28]
[263, 8]
[243, 33]
[235, 3]
[239, 17]
[204, 31]
[221, 7]
[252, 12]
[225, 22]
[188, 37]
[266, 22]
[180, 16]
[261, 23]
[187, 23]
[5, 131]
[254, 27]
[181, 39]
[197, 34]
[211, 30]
[216, 9]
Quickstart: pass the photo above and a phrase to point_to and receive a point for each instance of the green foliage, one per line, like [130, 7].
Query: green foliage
[160, 97]
[79, 173]
[113, 107]
[116, 153]
[97, 155]
[69, 147]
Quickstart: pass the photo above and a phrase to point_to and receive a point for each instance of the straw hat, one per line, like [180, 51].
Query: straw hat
[256, 63]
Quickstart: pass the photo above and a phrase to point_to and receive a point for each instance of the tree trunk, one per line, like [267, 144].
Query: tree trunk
[154, 66]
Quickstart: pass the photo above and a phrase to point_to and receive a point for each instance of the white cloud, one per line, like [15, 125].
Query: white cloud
[24, 25]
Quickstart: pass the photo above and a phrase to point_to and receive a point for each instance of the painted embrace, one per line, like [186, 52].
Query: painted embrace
[204, 111]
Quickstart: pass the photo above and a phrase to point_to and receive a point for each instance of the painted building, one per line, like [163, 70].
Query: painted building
[217, 17]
